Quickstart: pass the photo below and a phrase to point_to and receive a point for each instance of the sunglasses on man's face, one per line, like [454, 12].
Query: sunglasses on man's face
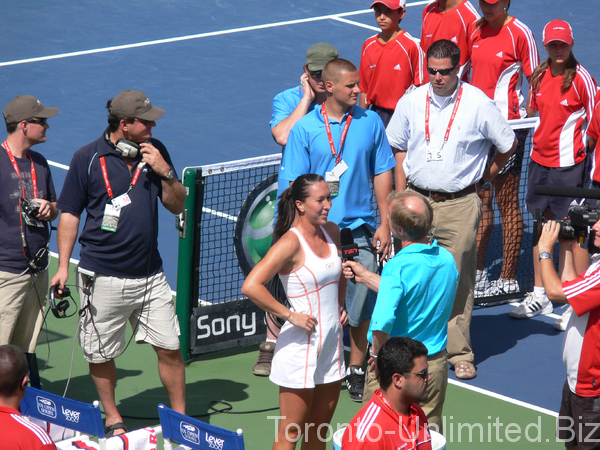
[43, 121]
[442, 72]
[315, 73]
[423, 374]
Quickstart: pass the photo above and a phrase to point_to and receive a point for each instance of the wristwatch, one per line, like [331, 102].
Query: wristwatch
[545, 255]
[169, 176]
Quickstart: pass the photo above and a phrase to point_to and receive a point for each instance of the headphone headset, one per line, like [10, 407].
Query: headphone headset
[59, 310]
[126, 148]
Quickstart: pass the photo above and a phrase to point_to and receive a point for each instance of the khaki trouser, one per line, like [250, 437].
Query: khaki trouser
[436, 388]
[455, 227]
[22, 302]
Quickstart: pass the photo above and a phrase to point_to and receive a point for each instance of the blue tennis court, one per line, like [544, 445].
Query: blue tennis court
[214, 66]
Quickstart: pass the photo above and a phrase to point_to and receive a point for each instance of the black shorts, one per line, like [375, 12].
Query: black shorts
[573, 176]
[579, 420]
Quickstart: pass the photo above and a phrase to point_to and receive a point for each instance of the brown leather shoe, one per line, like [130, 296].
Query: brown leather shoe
[465, 370]
[262, 366]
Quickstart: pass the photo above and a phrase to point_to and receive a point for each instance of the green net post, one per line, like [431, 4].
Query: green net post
[188, 224]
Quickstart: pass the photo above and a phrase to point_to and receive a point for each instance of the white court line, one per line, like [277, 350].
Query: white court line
[357, 24]
[503, 397]
[219, 214]
[197, 36]
[59, 165]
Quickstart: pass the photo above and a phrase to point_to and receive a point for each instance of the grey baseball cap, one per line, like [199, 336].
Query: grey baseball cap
[24, 107]
[131, 103]
[320, 54]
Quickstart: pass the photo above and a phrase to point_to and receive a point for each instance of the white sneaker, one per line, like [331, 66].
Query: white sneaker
[561, 324]
[501, 286]
[531, 306]
[481, 281]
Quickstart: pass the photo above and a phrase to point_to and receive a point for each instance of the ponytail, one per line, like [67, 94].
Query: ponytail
[286, 213]
[286, 209]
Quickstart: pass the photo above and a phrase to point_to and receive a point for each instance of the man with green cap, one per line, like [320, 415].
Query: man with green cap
[27, 206]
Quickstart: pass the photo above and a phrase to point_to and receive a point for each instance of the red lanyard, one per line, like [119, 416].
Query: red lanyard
[136, 175]
[410, 435]
[428, 107]
[338, 158]
[16, 167]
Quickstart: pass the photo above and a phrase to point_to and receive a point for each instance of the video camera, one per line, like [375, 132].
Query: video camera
[580, 218]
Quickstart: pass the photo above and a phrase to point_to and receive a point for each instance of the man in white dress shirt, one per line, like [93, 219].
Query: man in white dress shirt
[444, 131]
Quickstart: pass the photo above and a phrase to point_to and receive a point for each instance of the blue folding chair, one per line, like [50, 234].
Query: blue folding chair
[196, 434]
[72, 414]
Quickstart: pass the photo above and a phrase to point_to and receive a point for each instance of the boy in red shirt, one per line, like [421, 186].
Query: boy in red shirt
[392, 61]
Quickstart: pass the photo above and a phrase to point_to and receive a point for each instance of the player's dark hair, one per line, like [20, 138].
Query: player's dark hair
[483, 21]
[567, 77]
[12, 127]
[13, 368]
[287, 209]
[443, 49]
[397, 355]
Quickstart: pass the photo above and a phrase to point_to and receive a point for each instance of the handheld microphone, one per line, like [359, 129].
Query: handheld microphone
[349, 247]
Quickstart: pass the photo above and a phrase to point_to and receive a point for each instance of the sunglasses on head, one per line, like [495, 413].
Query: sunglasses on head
[143, 121]
[423, 374]
[43, 121]
[442, 72]
[315, 73]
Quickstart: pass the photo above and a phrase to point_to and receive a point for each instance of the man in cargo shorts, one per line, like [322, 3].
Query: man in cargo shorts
[117, 180]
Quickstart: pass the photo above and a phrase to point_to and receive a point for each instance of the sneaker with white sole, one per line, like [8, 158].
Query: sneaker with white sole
[561, 323]
[531, 306]
[481, 280]
[501, 286]
[355, 383]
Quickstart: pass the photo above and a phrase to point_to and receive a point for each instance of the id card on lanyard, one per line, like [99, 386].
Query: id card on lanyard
[112, 210]
[435, 154]
[333, 178]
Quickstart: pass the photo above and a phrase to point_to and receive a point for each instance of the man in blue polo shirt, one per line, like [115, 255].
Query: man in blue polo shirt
[416, 294]
[117, 180]
[348, 146]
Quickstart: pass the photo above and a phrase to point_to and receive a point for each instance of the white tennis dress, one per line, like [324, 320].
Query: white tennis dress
[304, 360]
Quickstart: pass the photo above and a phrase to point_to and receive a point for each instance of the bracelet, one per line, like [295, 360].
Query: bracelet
[545, 255]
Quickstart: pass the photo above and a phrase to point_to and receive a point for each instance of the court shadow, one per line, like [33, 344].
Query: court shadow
[495, 334]
[141, 410]
[81, 387]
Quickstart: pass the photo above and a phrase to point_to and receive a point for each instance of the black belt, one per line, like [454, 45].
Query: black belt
[439, 196]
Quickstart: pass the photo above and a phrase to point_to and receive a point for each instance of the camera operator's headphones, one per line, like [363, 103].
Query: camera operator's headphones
[126, 148]
[60, 310]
